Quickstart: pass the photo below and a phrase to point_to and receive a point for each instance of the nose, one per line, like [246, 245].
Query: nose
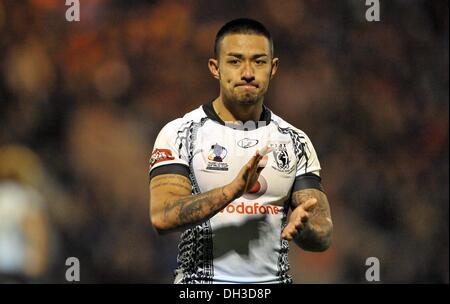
[247, 73]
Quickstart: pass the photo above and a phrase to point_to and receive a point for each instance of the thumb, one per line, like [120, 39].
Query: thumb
[309, 204]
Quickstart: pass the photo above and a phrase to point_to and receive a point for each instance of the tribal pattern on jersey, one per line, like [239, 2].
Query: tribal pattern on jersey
[299, 141]
[195, 260]
[283, 261]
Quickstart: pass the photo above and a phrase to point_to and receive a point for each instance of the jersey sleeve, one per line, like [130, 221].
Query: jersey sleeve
[308, 166]
[167, 156]
[307, 160]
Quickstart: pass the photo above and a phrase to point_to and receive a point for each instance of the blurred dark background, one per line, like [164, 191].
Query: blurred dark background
[82, 102]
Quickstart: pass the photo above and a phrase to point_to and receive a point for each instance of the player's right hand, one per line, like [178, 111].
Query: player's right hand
[249, 174]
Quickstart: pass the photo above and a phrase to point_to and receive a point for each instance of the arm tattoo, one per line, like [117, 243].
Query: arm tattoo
[320, 212]
[175, 181]
[316, 234]
[181, 209]
[194, 209]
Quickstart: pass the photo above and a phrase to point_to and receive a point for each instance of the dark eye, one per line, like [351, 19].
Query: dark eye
[233, 61]
[260, 62]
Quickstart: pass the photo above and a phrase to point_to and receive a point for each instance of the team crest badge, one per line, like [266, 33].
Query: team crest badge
[216, 155]
[281, 157]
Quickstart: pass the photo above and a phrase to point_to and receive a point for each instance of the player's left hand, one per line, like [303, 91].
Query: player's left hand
[298, 219]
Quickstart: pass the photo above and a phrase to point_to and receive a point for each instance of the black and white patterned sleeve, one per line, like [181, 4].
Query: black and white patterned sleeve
[308, 166]
[167, 157]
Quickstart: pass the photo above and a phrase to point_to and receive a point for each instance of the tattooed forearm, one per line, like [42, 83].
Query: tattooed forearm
[321, 212]
[173, 207]
[316, 234]
[192, 210]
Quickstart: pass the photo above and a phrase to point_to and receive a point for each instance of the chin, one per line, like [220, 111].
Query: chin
[247, 100]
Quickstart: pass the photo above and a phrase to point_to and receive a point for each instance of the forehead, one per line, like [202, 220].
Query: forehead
[245, 44]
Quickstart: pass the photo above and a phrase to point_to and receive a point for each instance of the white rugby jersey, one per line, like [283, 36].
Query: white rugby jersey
[242, 243]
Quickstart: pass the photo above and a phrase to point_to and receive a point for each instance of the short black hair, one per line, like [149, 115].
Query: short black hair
[241, 26]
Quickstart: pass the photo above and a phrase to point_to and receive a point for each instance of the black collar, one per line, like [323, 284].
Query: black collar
[209, 110]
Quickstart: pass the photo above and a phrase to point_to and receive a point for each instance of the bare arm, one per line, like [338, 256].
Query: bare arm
[310, 224]
[172, 207]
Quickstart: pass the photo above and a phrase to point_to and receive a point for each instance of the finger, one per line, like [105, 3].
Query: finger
[286, 231]
[261, 166]
[290, 230]
[255, 160]
[288, 227]
[309, 204]
[289, 235]
[254, 170]
[250, 166]
[299, 227]
[297, 215]
[260, 155]
[263, 161]
[301, 219]
[253, 166]
[286, 235]
[300, 224]
[294, 232]
[302, 216]
[265, 150]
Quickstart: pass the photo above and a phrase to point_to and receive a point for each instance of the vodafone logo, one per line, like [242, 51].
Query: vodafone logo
[250, 208]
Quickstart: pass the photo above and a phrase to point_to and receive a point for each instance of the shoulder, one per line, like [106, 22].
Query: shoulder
[194, 116]
[287, 128]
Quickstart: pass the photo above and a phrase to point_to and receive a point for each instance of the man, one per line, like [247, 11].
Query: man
[25, 230]
[229, 185]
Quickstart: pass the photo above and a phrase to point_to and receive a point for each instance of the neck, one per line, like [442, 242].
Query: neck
[231, 111]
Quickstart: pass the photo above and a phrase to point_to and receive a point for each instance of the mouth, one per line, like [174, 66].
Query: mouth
[247, 86]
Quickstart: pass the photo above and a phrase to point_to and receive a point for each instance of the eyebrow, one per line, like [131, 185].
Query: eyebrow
[240, 56]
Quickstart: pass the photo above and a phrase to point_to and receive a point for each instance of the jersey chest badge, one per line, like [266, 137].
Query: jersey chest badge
[216, 156]
[283, 163]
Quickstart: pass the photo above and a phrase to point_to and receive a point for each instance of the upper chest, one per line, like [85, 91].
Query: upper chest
[219, 153]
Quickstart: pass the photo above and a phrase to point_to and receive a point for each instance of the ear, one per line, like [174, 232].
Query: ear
[275, 63]
[213, 66]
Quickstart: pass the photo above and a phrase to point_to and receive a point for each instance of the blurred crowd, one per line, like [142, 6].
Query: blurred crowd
[82, 102]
